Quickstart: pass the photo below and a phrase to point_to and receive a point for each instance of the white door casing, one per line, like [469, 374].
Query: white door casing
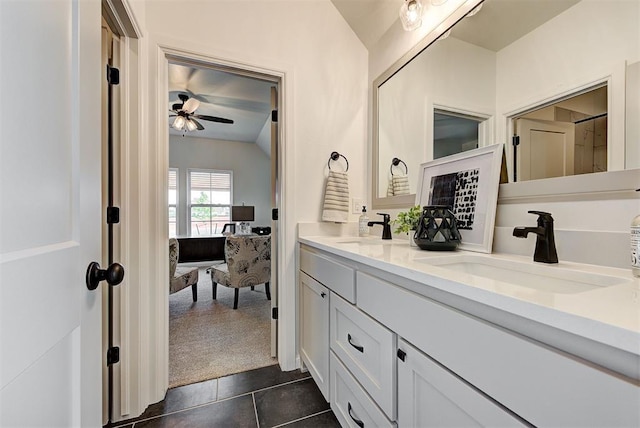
[274, 223]
[50, 324]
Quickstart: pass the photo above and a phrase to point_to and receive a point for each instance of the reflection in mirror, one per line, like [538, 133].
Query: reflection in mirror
[565, 138]
[454, 133]
[501, 65]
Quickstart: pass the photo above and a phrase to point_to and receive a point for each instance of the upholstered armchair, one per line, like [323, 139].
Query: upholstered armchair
[248, 264]
[179, 276]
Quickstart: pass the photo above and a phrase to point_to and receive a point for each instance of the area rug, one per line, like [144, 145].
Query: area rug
[209, 339]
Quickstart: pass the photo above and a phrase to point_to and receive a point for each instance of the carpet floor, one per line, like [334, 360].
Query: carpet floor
[209, 339]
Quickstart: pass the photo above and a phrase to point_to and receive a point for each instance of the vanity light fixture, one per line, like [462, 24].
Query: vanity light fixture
[411, 14]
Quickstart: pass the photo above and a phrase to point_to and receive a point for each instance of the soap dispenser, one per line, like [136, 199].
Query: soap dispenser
[363, 227]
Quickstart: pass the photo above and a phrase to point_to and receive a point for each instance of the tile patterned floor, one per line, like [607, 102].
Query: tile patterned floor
[266, 397]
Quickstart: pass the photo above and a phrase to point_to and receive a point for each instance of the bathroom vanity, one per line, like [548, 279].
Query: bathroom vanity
[396, 336]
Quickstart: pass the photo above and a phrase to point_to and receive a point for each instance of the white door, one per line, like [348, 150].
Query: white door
[546, 149]
[50, 323]
[431, 396]
[314, 330]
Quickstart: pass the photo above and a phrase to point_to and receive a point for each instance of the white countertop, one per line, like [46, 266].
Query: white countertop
[609, 315]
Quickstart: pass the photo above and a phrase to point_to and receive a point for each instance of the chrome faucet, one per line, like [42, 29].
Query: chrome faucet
[385, 223]
[545, 243]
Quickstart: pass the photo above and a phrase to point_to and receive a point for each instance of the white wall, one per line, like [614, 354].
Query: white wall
[525, 78]
[323, 67]
[446, 77]
[250, 165]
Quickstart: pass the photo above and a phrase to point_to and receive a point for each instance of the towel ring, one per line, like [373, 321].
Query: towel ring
[396, 162]
[334, 157]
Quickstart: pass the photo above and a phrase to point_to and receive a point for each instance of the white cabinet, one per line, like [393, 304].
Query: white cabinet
[314, 330]
[431, 396]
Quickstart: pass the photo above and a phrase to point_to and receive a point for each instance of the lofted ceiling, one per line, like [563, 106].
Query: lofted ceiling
[245, 100]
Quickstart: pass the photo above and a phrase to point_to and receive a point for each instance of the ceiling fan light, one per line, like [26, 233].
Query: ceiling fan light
[411, 14]
[191, 125]
[179, 122]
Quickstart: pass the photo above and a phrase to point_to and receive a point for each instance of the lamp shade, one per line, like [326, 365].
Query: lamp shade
[242, 213]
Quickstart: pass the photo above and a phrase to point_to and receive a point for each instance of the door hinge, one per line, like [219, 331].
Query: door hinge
[515, 140]
[113, 75]
[274, 214]
[401, 354]
[113, 215]
[113, 355]
[274, 116]
[274, 313]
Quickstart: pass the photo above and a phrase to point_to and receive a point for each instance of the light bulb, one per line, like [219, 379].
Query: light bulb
[411, 14]
[191, 125]
[179, 122]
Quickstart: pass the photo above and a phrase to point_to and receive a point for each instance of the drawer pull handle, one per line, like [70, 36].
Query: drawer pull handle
[357, 421]
[359, 348]
[323, 294]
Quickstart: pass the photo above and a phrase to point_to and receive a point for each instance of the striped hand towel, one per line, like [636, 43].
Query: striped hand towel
[400, 185]
[336, 198]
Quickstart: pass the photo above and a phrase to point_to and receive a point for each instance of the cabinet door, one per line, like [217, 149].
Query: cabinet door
[431, 396]
[314, 330]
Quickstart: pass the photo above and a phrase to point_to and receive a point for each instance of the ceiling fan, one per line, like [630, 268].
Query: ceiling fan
[185, 117]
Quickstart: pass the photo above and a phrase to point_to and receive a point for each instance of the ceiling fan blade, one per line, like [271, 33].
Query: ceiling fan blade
[177, 106]
[198, 124]
[212, 118]
[190, 105]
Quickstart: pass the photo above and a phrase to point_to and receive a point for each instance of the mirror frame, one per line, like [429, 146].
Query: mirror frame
[404, 201]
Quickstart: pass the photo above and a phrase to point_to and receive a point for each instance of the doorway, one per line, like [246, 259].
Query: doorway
[222, 154]
[565, 137]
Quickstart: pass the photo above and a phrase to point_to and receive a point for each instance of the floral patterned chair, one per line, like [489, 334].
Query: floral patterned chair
[248, 264]
[179, 276]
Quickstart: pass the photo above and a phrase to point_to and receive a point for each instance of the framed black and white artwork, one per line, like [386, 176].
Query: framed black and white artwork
[468, 183]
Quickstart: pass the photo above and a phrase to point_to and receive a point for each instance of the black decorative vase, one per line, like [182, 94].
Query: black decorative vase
[437, 229]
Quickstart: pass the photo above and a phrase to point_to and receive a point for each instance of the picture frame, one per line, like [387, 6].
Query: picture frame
[468, 182]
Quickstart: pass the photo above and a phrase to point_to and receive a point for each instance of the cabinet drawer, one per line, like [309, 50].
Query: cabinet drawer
[351, 405]
[337, 277]
[543, 385]
[431, 396]
[367, 349]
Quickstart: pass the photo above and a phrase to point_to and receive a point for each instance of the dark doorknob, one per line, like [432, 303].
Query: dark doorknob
[114, 275]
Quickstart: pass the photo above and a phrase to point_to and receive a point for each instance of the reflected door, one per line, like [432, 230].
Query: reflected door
[546, 149]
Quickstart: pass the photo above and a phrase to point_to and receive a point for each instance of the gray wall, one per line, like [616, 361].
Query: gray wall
[251, 172]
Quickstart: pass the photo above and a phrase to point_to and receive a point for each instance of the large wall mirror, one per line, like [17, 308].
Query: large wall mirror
[562, 75]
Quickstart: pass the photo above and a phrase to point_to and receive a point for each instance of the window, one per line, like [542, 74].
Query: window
[173, 202]
[210, 196]
[454, 133]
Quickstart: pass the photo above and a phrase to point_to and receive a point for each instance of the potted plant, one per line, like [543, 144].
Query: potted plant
[407, 221]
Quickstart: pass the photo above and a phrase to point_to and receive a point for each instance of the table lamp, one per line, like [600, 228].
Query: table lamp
[242, 214]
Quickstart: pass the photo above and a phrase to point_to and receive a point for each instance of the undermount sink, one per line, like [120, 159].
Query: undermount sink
[369, 240]
[553, 278]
